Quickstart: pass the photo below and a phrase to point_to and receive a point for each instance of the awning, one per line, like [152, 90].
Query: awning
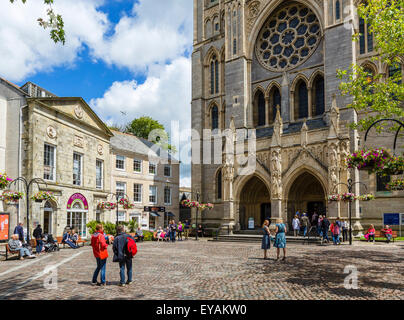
[154, 214]
[170, 214]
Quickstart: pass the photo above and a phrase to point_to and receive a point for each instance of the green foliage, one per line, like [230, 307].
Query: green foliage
[91, 226]
[54, 22]
[377, 96]
[110, 228]
[152, 130]
[132, 226]
[148, 235]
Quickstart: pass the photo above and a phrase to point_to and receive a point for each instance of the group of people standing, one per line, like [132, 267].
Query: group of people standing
[338, 228]
[279, 238]
[174, 231]
[124, 249]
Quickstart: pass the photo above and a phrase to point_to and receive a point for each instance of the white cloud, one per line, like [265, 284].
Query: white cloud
[27, 49]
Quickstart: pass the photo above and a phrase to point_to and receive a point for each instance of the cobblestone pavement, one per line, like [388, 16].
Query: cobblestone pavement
[209, 270]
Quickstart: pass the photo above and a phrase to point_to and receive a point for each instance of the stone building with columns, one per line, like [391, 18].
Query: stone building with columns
[68, 147]
[270, 65]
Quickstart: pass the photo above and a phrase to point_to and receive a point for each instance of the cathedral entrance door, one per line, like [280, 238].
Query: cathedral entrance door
[265, 212]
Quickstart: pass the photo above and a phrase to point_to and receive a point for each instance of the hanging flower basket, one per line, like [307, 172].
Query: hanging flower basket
[11, 197]
[43, 196]
[348, 196]
[372, 160]
[4, 181]
[395, 185]
[204, 206]
[334, 197]
[106, 205]
[123, 201]
[366, 197]
[190, 204]
[394, 166]
[128, 206]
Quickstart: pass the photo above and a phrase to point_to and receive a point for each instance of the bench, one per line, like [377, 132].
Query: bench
[380, 234]
[60, 241]
[12, 252]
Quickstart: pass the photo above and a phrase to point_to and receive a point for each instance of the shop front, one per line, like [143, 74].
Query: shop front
[77, 214]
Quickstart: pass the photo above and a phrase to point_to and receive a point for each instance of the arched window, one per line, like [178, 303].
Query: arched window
[214, 75]
[337, 10]
[365, 37]
[394, 70]
[276, 101]
[259, 109]
[219, 184]
[318, 96]
[215, 117]
[301, 101]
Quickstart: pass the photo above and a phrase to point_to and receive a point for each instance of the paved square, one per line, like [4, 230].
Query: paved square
[211, 270]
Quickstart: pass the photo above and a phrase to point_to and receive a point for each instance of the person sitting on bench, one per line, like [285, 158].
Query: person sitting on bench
[139, 234]
[67, 238]
[200, 231]
[15, 245]
[388, 233]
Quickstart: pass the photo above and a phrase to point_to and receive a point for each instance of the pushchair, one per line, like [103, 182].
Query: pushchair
[50, 243]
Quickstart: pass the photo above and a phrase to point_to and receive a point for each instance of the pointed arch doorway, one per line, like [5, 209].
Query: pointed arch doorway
[306, 194]
[254, 203]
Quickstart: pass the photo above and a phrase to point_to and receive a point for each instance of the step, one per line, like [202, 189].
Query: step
[258, 238]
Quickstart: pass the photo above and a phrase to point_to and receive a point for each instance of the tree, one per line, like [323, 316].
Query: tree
[152, 130]
[54, 22]
[377, 96]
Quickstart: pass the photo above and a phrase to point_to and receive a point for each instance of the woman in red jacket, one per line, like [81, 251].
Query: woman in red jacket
[100, 250]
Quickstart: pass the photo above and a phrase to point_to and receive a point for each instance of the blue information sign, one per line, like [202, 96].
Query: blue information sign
[391, 219]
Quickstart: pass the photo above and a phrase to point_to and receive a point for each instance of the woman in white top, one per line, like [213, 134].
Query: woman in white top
[296, 225]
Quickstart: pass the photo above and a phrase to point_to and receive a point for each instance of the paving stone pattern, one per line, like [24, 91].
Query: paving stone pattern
[210, 270]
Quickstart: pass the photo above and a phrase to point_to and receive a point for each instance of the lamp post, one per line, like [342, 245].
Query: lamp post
[350, 186]
[118, 196]
[401, 125]
[27, 185]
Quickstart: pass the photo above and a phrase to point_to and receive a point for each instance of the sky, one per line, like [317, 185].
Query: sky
[126, 58]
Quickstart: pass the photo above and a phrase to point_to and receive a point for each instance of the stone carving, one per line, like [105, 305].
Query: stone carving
[276, 173]
[78, 111]
[334, 119]
[303, 135]
[278, 129]
[333, 167]
[344, 153]
[51, 132]
[78, 142]
[100, 150]
[253, 9]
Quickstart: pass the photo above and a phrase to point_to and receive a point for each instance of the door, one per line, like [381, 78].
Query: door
[47, 222]
[265, 212]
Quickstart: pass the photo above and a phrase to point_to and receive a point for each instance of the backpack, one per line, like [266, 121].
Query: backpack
[131, 247]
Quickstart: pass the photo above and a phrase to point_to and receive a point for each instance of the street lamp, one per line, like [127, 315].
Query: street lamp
[28, 184]
[350, 186]
[118, 196]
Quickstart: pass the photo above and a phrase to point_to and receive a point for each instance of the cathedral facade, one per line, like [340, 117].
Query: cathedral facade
[271, 66]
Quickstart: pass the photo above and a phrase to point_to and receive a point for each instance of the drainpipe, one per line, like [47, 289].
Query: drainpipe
[20, 152]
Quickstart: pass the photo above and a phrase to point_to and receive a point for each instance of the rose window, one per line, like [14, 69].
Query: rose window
[288, 38]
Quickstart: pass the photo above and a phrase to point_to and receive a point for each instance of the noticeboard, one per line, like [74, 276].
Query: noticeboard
[4, 227]
[391, 219]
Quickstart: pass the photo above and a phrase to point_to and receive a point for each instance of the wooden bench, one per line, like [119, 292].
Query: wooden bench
[60, 241]
[380, 234]
[12, 252]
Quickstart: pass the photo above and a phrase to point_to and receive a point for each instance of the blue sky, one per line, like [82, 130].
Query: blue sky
[120, 55]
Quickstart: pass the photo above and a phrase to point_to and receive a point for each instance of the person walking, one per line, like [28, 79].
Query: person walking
[325, 225]
[180, 228]
[319, 222]
[345, 227]
[335, 231]
[20, 231]
[280, 239]
[305, 223]
[122, 255]
[296, 225]
[266, 238]
[100, 251]
[38, 235]
[173, 229]
[187, 228]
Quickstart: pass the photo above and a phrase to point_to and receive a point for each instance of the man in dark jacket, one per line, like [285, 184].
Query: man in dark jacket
[38, 237]
[121, 255]
[20, 231]
[325, 226]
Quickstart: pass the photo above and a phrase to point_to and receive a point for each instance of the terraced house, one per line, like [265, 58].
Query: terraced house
[270, 65]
